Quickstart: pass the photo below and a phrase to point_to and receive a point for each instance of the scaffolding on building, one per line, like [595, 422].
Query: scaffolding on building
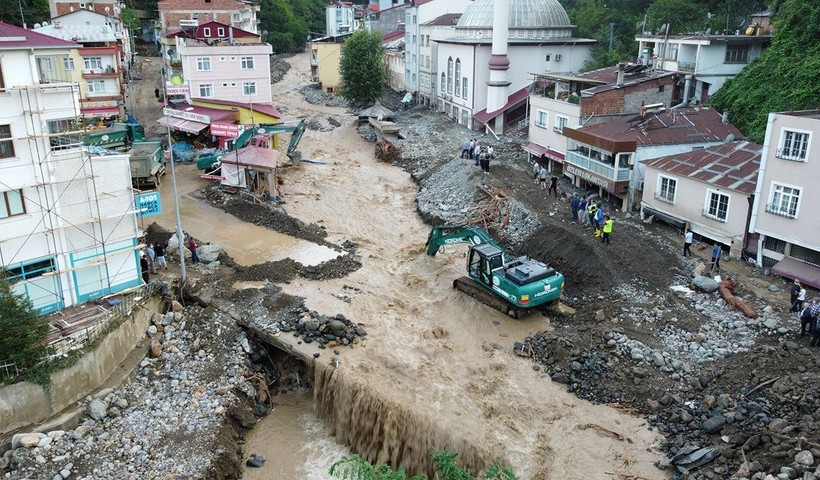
[85, 226]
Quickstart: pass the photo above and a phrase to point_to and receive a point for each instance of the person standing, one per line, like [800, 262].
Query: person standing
[808, 320]
[687, 242]
[465, 149]
[477, 152]
[192, 247]
[716, 257]
[607, 229]
[553, 186]
[490, 152]
[599, 220]
[485, 162]
[794, 291]
[582, 209]
[801, 297]
[814, 309]
[591, 209]
[144, 269]
[151, 256]
[542, 177]
[159, 249]
[573, 206]
[535, 169]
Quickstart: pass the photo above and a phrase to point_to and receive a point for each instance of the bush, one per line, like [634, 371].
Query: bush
[23, 340]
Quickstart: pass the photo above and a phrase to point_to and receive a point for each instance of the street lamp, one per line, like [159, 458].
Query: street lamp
[180, 238]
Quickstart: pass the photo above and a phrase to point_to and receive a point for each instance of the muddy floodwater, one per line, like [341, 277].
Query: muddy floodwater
[294, 443]
[247, 243]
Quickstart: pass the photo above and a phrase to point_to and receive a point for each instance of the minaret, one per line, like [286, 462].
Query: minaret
[499, 63]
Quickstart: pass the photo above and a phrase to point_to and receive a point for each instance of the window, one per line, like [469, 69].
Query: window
[427, 61]
[414, 40]
[206, 31]
[443, 81]
[31, 270]
[560, 123]
[235, 18]
[220, 32]
[414, 79]
[661, 88]
[414, 59]
[92, 63]
[548, 57]
[413, 22]
[785, 201]
[96, 86]
[457, 77]
[68, 63]
[717, 206]
[203, 64]
[11, 203]
[247, 63]
[541, 118]
[450, 75]
[737, 54]
[666, 189]
[46, 65]
[6, 143]
[2, 81]
[249, 88]
[464, 88]
[206, 90]
[794, 146]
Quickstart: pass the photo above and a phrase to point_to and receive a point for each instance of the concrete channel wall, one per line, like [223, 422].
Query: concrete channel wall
[23, 404]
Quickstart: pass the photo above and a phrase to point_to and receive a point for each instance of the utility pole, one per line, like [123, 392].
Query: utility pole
[23, 18]
[611, 34]
[180, 237]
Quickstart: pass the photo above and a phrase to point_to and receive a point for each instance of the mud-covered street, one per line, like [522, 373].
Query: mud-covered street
[639, 376]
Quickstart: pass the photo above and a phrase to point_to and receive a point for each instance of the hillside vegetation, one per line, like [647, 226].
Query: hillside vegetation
[786, 77]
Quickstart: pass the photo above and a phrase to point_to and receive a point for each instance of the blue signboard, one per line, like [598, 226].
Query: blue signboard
[148, 204]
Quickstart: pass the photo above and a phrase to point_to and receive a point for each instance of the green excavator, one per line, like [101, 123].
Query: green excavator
[515, 286]
[296, 128]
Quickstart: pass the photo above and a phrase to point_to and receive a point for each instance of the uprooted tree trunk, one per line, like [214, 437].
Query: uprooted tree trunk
[727, 288]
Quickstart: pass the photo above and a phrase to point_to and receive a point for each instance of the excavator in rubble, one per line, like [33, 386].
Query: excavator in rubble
[515, 286]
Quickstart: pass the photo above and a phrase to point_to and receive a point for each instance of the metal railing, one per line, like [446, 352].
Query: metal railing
[665, 198]
[714, 216]
[776, 209]
[791, 154]
[594, 166]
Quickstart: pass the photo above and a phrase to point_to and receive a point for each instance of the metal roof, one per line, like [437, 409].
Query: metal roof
[733, 166]
[13, 37]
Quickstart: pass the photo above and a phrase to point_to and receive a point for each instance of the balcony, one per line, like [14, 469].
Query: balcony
[598, 168]
[687, 66]
[791, 154]
[776, 209]
[97, 74]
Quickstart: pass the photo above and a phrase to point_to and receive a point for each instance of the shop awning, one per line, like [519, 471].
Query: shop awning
[540, 151]
[795, 269]
[182, 125]
[102, 112]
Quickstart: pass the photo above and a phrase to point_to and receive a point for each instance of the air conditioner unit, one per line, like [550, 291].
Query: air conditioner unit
[558, 57]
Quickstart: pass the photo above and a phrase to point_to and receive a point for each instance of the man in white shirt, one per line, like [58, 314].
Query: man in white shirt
[687, 242]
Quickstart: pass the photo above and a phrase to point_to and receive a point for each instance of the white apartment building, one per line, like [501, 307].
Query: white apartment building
[68, 225]
[429, 34]
[340, 17]
[418, 13]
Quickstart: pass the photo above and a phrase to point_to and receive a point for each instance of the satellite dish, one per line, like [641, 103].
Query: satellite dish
[37, 25]
[45, 23]
[177, 80]
[170, 51]
[107, 9]
[729, 138]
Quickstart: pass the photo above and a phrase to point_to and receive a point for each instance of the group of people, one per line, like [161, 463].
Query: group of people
[540, 174]
[591, 214]
[481, 154]
[808, 313]
[153, 258]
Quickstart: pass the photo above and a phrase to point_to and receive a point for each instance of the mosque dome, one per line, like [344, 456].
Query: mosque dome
[524, 14]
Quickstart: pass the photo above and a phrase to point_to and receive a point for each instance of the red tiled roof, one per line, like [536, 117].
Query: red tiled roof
[393, 35]
[213, 113]
[20, 38]
[679, 126]
[446, 19]
[484, 116]
[733, 166]
[263, 108]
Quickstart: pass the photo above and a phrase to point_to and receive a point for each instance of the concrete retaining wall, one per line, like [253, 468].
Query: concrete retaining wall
[23, 404]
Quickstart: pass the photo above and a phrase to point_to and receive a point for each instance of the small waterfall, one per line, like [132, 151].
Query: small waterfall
[381, 429]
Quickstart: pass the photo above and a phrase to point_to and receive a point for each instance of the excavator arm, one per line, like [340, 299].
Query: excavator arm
[456, 234]
[297, 128]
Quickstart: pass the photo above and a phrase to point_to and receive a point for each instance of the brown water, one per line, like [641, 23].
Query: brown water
[430, 377]
[295, 444]
[247, 243]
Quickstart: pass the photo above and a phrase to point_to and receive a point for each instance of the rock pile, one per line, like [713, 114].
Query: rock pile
[279, 67]
[313, 94]
[172, 419]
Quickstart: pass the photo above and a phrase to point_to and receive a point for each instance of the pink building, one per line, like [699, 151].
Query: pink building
[226, 70]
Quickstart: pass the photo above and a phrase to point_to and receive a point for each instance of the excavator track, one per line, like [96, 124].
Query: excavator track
[474, 289]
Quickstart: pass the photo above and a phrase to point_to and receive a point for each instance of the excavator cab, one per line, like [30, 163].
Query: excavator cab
[482, 261]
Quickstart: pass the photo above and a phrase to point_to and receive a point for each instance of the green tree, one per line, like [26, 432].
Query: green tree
[356, 468]
[24, 331]
[34, 11]
[362, 68]
[785, 77]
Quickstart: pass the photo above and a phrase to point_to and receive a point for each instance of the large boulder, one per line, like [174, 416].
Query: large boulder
[208, 253]
[704, 284]
[97, 409]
